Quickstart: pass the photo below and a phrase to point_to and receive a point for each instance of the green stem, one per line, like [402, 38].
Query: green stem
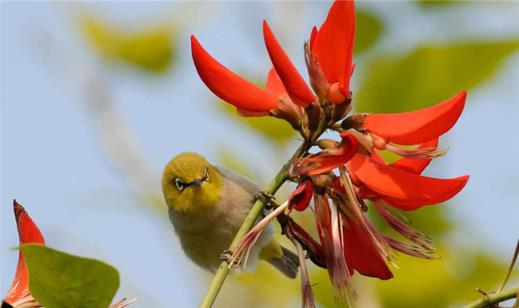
[249, 221]
[255, 211]
[494, 298]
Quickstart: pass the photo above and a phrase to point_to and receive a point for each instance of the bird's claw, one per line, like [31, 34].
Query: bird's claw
[227, 256]
[265, 196]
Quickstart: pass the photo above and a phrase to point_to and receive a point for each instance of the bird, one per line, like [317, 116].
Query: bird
[207, 204]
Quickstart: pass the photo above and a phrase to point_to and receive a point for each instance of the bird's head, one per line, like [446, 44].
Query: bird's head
[190, 183]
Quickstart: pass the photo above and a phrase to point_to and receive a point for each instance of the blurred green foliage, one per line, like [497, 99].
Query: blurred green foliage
[438, 3]
[428, 75]
[231, 161]
[61, 280]
[270, 128]
[441, 283]
[369, 28]
[151, 49]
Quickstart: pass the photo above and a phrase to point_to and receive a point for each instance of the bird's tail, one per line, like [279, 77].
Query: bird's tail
[281, 258]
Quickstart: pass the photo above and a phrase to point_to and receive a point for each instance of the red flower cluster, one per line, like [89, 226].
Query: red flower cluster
[345, 176]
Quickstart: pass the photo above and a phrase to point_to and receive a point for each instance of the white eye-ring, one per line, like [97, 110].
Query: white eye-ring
[179, 184]
[206, 178]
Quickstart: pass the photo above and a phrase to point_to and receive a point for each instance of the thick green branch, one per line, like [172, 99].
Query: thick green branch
[491, 299]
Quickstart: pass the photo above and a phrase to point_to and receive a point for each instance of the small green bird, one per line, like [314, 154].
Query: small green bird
[207, 205]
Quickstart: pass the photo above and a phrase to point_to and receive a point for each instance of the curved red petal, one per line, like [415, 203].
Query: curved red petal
[300, 198]
[229, 86]
[348, 149]
[274, 84]
[400, 185]
[294, 83]
[313, 34]
[251, 113]
[417, 126]
[28, 232]
[416, 166]
[405, 205]
[334, 44]
[361, 254]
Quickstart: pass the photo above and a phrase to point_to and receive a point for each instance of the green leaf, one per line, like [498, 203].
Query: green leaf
[273, 129]
[148, 49]
[58, 279]
[369, 28]
[429, 75]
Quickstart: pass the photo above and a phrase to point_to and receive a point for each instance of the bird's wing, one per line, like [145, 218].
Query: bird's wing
[239, 180]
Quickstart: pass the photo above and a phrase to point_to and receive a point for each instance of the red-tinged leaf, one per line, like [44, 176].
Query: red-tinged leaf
[28, 232]
[229, 86]
[417, 126]
[361, 254]
[389, 182]
[300, 198]
[294, 83]
[416, 166]
[274, 84]
[334, 44]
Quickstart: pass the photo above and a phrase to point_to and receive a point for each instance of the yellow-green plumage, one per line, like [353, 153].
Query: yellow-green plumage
[209, 210]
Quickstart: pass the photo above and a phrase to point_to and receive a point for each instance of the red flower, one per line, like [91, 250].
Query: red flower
[28, 233]
[296, 86]
[331, 47]
[417, 126]
[346, 176]
[328, 159]
[230, 87]
[300, 198]
[405, 190]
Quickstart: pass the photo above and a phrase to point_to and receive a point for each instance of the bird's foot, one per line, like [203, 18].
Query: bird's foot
[265, 196]
[227, 256]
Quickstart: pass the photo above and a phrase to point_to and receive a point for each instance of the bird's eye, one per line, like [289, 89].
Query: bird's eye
[206, 177]
[179, 184]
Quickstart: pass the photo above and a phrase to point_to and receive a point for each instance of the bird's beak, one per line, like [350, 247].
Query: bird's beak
[196, 183]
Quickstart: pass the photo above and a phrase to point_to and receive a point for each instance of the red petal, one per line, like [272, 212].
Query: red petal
[300, 198]
[416, 166]
[313, 34]
[348, 147]
[417, 126]
[361, 254]
[334, 43]
[400, 185]
[229, 86]
[251, 113]
[274, 84]
[28, 232]
[294, 83]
